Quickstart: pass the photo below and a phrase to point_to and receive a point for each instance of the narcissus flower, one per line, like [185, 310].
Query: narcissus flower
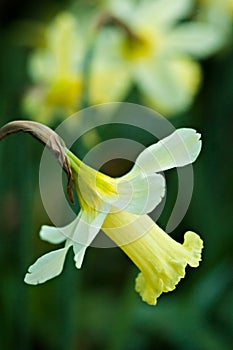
[119, 207]
[157, 50]
[57, 72]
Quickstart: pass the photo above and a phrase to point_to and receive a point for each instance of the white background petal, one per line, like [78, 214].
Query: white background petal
[168, 84]
[196, 39]
[163, 13]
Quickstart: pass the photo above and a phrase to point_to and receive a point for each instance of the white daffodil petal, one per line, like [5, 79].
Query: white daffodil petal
[176, 150]
[155, 80]
[121, 8]
[141, 194]
[46, 267]
[163, 13]
[51, 234]
[109, 82]
[159, 13]
[86, 226]
[170, 84]
[58, 58]
[79, 252]
[196, 39]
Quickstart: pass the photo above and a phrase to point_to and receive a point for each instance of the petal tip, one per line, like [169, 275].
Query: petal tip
[29, 280]
[51, 234]
[194, 244]
[147, 293]
[79, 251]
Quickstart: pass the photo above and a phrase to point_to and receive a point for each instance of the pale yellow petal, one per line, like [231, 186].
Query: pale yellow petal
[170, 84]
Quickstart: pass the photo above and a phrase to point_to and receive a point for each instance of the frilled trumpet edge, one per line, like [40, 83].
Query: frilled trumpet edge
[158, 280]
[161, 260]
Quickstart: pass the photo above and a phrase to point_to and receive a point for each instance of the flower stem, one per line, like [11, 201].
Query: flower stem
[74, 161]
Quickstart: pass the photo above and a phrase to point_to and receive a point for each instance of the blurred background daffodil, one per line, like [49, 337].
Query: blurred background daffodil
[158, 45]
[155, 46]
[56, 70]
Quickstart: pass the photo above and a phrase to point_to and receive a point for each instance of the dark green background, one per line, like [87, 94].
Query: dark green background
[97, 307]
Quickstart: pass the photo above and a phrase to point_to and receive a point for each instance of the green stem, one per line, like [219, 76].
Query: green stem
[87, 72]
[76, 164]
[74, 161]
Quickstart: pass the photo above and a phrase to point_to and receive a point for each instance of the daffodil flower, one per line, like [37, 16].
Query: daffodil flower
[57, 72]
[119, 207]
[158, 52]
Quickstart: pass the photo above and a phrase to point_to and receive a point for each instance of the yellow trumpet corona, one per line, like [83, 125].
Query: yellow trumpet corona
[160, 259]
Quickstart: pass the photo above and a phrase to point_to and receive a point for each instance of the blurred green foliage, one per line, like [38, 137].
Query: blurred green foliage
[97, 307]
